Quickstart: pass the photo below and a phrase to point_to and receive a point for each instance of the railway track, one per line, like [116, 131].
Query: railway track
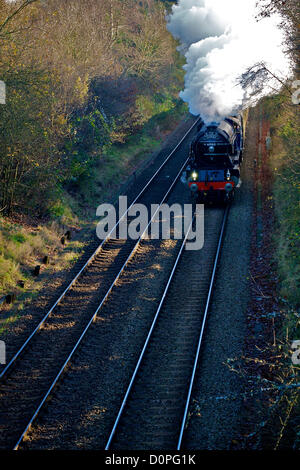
[154, 411]
[34, 370]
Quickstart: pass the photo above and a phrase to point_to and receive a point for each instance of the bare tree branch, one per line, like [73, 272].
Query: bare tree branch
[257, 76]
[16, 12]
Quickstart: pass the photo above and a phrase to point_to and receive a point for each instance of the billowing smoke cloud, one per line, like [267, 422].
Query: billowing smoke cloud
[221, 39]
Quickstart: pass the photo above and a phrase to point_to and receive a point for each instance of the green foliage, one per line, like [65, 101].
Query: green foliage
[53, 132]
[288, 131]
[90, 136]
[27, 140]
[286, 166]
[57, 210]
[148, 106]
[18, 238]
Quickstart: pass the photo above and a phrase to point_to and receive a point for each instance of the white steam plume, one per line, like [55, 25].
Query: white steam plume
[221, 39]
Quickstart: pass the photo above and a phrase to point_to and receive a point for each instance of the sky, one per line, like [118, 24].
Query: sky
[221, 39]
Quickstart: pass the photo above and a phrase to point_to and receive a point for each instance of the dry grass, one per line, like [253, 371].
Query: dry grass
[23, 248]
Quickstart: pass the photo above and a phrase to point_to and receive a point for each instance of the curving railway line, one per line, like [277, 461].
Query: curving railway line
[154, 411]
[35, 369]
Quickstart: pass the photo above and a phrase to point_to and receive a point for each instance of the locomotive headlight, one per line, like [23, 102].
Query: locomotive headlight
[194, 175]
[228, 175]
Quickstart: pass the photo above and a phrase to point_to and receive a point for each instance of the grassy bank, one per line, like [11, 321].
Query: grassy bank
[285, 164]
[283, 430]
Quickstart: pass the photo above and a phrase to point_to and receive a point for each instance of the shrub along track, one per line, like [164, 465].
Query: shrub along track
[27, 380]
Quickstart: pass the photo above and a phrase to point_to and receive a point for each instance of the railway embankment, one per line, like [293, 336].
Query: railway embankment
[270, 360]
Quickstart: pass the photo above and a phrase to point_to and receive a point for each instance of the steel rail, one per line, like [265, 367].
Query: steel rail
[25, 344]
[145, 232]
[125, 399]
[183, 424]
[111, 436]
